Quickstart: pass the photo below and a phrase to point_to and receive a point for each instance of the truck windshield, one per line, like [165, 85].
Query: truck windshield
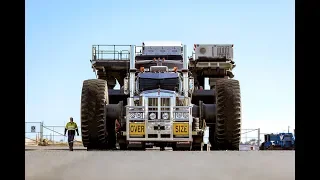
[167, 83]
[149, 81]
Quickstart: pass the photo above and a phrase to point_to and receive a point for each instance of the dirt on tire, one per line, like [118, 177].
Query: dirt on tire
[227, 134]
[94, 97]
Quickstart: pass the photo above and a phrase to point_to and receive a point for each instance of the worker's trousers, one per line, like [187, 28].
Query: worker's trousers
[70, 141]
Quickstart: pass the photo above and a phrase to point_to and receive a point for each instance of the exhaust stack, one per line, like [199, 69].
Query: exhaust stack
[185, 72]
[132, 74]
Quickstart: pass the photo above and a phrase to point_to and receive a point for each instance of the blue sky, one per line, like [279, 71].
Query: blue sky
[59, 35]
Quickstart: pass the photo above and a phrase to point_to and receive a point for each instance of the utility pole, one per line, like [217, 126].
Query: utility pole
[258, 137]
[288, 129]
[41, 131]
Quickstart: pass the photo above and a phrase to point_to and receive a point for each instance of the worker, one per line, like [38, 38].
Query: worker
[71, 127]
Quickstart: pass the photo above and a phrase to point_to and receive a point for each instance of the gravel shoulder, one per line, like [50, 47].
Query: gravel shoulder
[138, 165]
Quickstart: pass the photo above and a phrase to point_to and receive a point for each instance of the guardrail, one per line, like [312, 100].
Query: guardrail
[113, 52]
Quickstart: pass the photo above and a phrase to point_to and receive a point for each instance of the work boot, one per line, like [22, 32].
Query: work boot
[70, 147]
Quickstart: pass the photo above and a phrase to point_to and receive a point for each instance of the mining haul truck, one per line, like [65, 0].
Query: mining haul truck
[161, 101]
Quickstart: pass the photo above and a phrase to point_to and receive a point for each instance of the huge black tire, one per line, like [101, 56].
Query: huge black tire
[227, 134]
[110, 123]
[93, 100]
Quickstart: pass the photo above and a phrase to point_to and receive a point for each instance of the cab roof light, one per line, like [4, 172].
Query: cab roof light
[175, 69]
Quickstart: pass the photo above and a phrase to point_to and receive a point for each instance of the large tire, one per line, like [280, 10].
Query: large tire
[110, 123]
[93, 100]
[227, 134]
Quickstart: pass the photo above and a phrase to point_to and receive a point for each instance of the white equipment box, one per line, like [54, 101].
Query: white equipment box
[162, 48]
[214, 51]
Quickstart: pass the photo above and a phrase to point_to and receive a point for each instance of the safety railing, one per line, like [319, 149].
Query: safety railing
[111, 52]
[114, 52]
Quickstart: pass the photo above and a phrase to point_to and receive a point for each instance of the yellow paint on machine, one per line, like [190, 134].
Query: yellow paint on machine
[137, 129]
[181, 129]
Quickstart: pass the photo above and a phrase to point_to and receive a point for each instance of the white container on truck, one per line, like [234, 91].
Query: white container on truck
[161, 48]
[214, 51]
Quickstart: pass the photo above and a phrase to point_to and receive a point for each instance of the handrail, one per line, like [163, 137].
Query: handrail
[113, 52]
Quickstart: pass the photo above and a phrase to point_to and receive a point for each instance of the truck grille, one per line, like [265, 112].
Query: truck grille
[154, 106]
[163, 101]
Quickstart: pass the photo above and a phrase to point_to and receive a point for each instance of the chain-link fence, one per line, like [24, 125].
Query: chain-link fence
[250, 139]
[37, 131]
[54, 134]
[33, 132]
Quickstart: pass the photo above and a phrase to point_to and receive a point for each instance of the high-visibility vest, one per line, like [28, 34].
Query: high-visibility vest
[71, 126]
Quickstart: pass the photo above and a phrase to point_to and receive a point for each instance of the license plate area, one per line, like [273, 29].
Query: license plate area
[137, 129]
[181, 129]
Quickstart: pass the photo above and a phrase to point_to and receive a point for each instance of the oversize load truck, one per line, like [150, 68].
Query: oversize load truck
[162, 101]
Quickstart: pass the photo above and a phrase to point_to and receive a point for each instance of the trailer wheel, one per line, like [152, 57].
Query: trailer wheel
[93, 126]
[227, 132]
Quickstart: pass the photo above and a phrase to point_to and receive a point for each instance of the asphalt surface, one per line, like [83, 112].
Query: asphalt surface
[47, 163]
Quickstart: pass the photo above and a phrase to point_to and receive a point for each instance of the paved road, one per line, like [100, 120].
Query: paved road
[58, 164]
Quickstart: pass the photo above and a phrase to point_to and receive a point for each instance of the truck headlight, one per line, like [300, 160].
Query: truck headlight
[152, 116]
[138, 115]
[135, 115]
[165, 116]
[182, 115]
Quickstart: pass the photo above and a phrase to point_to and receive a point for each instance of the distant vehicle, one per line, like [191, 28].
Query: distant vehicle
[281, 141]
[161, 101]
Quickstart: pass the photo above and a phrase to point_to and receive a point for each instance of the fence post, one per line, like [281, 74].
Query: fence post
[25, 132]
[41, 131]
[258, 137]
[53, 135]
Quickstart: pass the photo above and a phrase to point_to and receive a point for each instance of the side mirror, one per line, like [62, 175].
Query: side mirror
[126, 86]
